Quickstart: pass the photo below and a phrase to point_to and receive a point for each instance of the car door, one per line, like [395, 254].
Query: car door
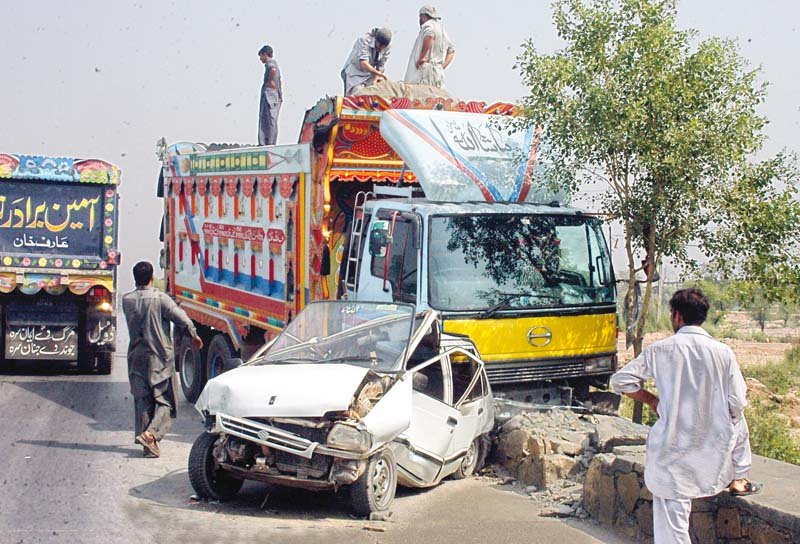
[424, 445]
[470, 394]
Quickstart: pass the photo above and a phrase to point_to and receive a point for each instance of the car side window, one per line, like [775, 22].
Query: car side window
[464, 370]
[430, 381]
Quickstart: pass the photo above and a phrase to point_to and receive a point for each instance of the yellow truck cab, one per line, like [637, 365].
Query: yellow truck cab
[526, 278]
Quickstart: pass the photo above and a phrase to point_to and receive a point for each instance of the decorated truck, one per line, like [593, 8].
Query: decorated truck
[58, 259]
[434, 202]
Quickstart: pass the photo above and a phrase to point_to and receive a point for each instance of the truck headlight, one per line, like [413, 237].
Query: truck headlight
[599, 364]
[105, 306]
[349, 437]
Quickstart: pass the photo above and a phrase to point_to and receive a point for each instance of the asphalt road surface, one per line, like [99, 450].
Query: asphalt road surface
[71, 473]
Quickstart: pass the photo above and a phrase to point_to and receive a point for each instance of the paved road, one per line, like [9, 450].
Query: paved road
[71, 473]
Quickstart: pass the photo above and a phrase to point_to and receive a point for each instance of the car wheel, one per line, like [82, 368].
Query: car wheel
[190, 362]
[220, 352]
[209, 481]
[471, 460]
[374, 490]
[105, 361]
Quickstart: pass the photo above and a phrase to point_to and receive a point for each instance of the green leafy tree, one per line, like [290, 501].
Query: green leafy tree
[666, 122]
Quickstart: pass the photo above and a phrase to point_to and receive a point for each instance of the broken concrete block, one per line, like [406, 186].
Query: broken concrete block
[514, 446]
[598, 490]
[556, 467]
[628, 491]
[644, 517]
[614, 431]
[566, 447]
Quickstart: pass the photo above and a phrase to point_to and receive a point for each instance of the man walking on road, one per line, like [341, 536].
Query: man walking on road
[433, 51]
[271, 98]
[151, 368]
[700, 444]
[367, 60]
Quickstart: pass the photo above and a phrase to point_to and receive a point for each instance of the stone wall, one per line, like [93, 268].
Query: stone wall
[614, 494]
[588, 465]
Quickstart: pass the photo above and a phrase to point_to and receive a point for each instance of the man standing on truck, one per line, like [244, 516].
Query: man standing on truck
[367, 60]
[700, 444]
[271, 98]
[151, 368]
[433, 51]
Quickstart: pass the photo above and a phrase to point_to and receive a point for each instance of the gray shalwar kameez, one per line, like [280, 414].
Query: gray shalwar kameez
[269, 106]
[151, 367]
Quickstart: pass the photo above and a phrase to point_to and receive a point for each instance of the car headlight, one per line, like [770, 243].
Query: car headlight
[349, 437]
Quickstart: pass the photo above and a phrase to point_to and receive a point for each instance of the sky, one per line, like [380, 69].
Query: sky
[100, 79]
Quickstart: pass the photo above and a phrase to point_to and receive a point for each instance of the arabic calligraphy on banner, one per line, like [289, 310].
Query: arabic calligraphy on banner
[478, 138]
[235, 232]
[38, 218]
[41, 341]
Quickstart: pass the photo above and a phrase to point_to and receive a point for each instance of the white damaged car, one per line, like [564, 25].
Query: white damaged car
[356, 395]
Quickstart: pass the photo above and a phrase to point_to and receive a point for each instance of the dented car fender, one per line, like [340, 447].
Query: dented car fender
[392, 414]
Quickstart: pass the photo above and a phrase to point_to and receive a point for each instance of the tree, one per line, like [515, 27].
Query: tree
[666, 122]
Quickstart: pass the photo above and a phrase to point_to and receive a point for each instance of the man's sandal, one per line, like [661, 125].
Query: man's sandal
[750, 488]
[150, 446]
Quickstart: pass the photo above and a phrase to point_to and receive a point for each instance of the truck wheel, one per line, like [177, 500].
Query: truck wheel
[374, 490]
[220, 353]
[105, 361]
[469, 464]
[190, 362]
[208, 481]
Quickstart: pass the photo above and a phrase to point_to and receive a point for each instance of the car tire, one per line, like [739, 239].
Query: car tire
[374, 490]
[105, 362]
[220, 353]
[208, 481]
[190, 362]
[471, 462]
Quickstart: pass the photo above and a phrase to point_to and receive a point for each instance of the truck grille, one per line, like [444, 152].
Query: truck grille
[500, 373]
[267, 435]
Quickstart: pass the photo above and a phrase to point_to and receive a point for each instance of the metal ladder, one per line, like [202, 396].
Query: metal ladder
[354, 248]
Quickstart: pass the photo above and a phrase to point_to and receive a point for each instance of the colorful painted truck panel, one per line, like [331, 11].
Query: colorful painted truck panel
[253, 234]
[58, 257]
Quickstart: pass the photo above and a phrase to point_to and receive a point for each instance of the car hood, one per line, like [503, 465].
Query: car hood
[285, 390]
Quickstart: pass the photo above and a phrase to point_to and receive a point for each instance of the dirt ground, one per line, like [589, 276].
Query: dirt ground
[748, 352]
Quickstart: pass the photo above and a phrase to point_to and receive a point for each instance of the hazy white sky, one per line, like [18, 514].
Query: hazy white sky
[100, 79]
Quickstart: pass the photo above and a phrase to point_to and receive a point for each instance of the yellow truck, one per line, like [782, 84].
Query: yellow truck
[435, 202]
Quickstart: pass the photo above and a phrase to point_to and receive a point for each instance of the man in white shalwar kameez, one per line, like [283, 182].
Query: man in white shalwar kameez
[700, 444]
[432, 53]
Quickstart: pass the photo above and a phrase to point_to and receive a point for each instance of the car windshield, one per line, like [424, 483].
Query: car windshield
[368, 334]
[494, 262]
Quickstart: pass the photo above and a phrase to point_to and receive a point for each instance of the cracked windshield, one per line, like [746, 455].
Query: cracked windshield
[371, 335]
[485, 262]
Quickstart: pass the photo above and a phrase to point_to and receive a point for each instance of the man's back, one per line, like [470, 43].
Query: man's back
[701, 391]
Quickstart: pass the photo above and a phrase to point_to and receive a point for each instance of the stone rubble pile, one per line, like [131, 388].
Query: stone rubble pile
[548, 453]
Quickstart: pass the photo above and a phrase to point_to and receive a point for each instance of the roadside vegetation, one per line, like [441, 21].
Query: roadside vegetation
[745, 322]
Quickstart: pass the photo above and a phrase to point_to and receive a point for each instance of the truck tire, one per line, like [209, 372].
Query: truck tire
[105, 361]
[374, 490]
[208, 481]
[191, 366]
[220, 353]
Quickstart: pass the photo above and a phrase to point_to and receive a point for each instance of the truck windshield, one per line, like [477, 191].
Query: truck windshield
[493, 262]
[367, 334]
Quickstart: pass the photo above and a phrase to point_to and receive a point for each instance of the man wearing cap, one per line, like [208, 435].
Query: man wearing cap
[433, 51]
[367, 60]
